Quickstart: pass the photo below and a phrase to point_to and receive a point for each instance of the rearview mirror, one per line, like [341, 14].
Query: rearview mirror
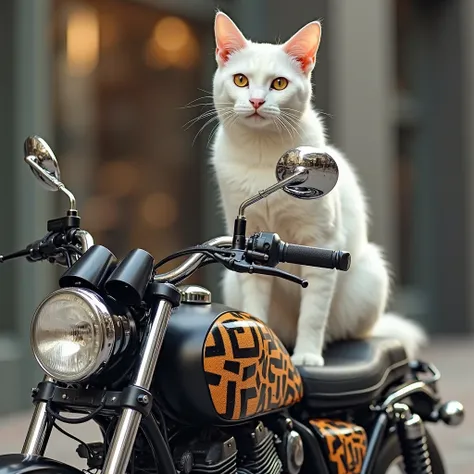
[320, 172]
[43, 163]
[45, 167]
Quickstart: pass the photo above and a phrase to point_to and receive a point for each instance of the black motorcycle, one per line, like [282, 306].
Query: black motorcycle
[181, 385]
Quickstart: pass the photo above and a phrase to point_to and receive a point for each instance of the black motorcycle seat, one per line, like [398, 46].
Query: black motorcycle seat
[355, 372]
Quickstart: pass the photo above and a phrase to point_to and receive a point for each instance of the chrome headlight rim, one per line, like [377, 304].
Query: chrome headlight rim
[107, 334]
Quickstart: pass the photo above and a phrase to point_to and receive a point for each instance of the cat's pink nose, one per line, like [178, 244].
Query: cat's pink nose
[257, 103]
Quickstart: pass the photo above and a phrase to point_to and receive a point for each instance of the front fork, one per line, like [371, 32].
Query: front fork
[165, 297]
[39, 429]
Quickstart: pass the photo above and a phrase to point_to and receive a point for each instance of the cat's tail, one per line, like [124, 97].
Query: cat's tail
[409, 333]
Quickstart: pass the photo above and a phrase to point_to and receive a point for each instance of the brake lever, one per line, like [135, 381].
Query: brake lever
[240, 265]
[262, 270]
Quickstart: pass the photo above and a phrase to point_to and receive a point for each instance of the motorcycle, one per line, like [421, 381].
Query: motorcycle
[179, 384]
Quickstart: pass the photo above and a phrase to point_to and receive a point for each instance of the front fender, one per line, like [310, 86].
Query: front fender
[21, 464]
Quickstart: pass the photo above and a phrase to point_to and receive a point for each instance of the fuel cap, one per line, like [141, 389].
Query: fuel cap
[194, 294]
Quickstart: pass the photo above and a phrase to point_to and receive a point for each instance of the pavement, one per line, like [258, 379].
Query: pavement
[454, 358]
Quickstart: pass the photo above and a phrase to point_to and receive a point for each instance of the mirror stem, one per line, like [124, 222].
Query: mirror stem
[299, 176]
[31, 160]
[240, 224]
[72, 199]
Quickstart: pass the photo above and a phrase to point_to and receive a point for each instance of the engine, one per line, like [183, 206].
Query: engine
[249, 450]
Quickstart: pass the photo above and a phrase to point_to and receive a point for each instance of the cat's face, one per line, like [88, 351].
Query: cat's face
[263, 85]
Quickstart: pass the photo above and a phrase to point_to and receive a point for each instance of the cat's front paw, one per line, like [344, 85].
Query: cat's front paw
[308, 358]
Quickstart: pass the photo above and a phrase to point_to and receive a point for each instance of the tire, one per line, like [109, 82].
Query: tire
[391, 451]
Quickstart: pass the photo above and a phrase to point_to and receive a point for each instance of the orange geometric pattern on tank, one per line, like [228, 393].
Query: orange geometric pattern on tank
[346, 445]
[248, 370]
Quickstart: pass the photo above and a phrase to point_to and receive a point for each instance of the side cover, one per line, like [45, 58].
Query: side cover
[21, 464]
[222, 366]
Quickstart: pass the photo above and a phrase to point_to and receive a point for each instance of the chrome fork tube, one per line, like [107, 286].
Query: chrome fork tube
[39, 429]
[120, 449]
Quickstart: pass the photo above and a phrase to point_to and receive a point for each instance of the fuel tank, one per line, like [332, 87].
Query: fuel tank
[222, 366]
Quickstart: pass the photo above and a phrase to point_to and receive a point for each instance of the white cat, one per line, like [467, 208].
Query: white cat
[262, 94]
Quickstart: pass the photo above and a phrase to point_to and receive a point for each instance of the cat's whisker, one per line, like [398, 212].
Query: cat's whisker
[294, 113]
[320, 112]
[204, 90]
[210, 104]
[204, 115]
[232, 121]
[295, 119]
[290, 118]
[224, 119]
[199, 98]
[208, 122]
[279, 128]
[284, 125]
[292, 126]
[212, 134]
[207, 104]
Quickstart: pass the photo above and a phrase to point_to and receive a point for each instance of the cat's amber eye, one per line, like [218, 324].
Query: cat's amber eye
[280, 83]
[240, 80]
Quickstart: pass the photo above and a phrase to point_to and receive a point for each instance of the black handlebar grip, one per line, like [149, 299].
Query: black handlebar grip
[315, 257]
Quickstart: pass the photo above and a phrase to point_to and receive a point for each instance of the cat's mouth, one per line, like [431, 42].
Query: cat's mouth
[256, 115]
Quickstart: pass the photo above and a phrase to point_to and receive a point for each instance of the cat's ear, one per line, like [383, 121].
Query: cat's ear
[229, 38]
[303, 45]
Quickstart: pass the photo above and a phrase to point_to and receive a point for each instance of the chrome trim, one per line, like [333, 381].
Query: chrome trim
[86, 240]
[322, 172]
[189, 266]
[412, 423]
[293, 179]
[102, 319]
[452, 413]
[120, 449]
[31, 160]
[405, 392]
[43, 163]
[152, 345]
[39, 429]
[195, 294]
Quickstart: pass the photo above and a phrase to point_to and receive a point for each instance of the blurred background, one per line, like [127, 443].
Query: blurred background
[106, 83]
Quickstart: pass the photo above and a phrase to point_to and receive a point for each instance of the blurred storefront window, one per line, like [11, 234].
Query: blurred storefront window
[124, 72]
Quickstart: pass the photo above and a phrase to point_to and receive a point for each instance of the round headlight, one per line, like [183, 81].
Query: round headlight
[72, 334]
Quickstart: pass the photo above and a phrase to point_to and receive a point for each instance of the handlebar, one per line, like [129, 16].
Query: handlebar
[48, 247]
[262, 248]
[315, 257]
[277, 251]
[192, 263]
[262, 252]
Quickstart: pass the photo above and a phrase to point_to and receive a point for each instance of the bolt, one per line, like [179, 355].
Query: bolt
[64, 396]
[114, 398]
[143, 399]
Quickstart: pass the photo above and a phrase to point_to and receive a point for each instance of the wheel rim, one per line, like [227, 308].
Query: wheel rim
[396, 466]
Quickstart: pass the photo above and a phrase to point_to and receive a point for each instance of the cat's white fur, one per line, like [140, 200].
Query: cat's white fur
[246, 148]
